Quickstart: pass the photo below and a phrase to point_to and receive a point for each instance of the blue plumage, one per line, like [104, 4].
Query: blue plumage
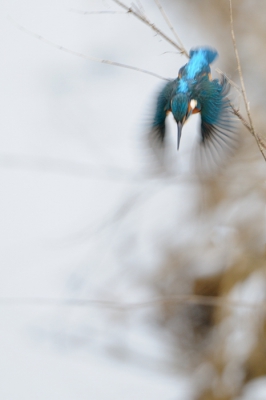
[182, 86]
[194, 91]
[200, 60]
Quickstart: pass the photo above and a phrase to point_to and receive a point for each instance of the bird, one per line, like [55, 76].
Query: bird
[194, 91]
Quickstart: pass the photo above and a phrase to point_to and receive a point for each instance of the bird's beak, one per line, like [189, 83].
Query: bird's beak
[179, 131]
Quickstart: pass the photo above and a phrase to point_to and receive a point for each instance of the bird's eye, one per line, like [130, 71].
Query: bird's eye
[193, 104]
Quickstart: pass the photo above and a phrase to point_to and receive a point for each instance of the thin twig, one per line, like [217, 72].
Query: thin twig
[242, 119]
[84, 56]
[150, 24]
[75, 168]
[68, 167]
[171, 27]
[232, 83]
[139, 8]
[96, 12]
[243, 90]
[211, 301]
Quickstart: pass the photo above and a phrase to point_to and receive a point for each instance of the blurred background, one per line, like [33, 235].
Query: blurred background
[85, 218]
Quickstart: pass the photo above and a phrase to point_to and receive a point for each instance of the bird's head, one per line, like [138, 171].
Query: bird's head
[182, 107]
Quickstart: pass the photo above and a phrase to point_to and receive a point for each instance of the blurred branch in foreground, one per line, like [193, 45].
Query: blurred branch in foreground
[212, 301]
[209, 289]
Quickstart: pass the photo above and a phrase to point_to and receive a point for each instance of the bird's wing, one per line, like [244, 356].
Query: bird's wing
[157, 131]
[218, 127]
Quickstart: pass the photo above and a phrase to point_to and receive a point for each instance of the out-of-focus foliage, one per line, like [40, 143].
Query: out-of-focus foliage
[224, 254]
[218, 249]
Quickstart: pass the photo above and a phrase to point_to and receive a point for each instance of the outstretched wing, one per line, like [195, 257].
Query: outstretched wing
[218, 127]
[157, 131]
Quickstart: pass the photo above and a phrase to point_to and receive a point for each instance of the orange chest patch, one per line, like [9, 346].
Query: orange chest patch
[196, 110]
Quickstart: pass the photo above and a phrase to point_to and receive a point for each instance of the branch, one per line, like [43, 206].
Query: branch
[85, 57]
[249, 126]
[211, 301]
[150, 24]
[172, 28]
[77, 11]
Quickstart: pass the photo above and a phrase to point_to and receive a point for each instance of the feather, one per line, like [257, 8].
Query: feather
[157, 131]
[218, 127]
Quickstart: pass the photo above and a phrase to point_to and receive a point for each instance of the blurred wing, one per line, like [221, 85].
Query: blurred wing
[218, 126]
[157, 131]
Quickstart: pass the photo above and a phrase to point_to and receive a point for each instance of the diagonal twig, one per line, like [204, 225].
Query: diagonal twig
[150, 24]
[211, 301]
[84, 56]
[77, 11]
[229, 80]
[242, 119]
[260, 141]
[172, 28]
[251, 128]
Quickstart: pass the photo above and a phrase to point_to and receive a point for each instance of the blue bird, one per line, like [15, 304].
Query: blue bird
[194, 91]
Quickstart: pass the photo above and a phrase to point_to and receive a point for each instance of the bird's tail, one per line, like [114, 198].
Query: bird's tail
[208, 53]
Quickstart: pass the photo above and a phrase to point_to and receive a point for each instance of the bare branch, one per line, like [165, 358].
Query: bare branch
[150, 24]
[211, 301]
[84, 56]
[243, 90]
[96, 12]
[172, 28]
[86, 170]
[232, 83]
[68, 167]
[242, 119]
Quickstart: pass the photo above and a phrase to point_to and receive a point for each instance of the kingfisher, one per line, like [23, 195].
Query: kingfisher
[194, 91]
